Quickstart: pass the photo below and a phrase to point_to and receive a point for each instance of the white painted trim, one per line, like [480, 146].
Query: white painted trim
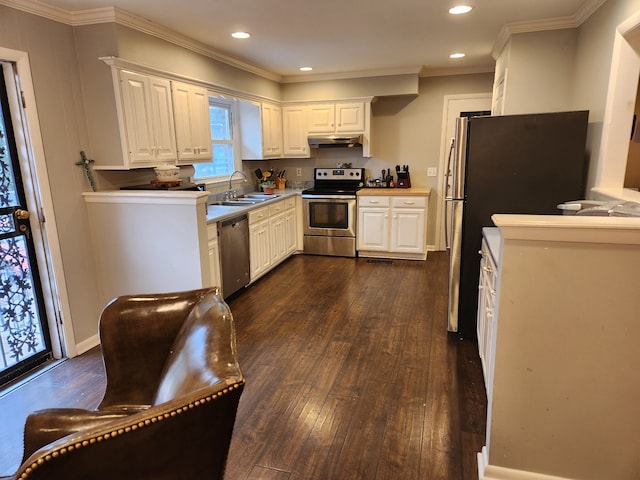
[152, 197]
[559, 23]
[569, 228]
[122, 17]
[618, 114]
[50, 254]
[88, 344]
[493, 472]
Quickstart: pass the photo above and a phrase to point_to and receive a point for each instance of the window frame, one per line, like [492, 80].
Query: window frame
[234, 126]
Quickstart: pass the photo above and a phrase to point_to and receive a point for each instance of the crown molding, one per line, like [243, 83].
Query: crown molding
[559, 23]
[347, 75]
[443, 72]
[124, 18]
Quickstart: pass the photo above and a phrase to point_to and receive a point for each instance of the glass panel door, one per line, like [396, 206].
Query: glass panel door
[24, 336]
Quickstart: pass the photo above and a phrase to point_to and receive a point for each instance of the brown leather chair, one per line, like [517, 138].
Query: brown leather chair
[173, 387]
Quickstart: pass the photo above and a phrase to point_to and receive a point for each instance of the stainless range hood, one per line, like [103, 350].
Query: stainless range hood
[334, 141]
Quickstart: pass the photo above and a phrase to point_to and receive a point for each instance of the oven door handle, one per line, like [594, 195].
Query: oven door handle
[329, 197]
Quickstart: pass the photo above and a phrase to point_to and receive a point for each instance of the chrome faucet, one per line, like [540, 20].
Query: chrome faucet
[232, 192]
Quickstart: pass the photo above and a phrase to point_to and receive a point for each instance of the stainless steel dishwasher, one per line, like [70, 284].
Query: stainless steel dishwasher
[233, 235]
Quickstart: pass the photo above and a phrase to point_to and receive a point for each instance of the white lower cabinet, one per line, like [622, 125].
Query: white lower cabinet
[487, 318]
[392, 226]
[272, 235]
[259, 242]
[214, 254]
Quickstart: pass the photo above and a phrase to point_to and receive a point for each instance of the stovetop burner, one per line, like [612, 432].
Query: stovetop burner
[336, 181]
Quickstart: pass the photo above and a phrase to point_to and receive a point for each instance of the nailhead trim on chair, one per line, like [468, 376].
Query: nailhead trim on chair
[120, 431]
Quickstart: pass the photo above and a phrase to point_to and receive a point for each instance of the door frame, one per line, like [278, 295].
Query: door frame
[32, 162]
[452, 103]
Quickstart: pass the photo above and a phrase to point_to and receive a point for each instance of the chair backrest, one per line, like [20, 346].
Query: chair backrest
[203, 353]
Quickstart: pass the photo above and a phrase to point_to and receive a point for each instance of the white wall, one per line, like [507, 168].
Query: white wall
[540, 69]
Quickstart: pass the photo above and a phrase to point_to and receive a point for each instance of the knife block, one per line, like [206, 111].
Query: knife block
[404, 180]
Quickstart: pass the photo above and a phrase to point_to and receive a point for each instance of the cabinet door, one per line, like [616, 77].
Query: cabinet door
[271, 130]
[278, 238]
[290, 228]
[294, 135]
[407, 230]
[136, 106]
[350, 117]
[191, 110]
[373, 229]
[162, 120]
[148, 117]
[199, 105]
[184, 129]
[322, 118]
[260, 249]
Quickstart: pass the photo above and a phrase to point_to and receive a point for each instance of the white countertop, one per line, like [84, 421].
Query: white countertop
[218, 213]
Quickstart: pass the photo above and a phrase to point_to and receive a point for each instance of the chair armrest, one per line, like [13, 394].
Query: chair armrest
[46, 426]
[136, 334]
[187, 438]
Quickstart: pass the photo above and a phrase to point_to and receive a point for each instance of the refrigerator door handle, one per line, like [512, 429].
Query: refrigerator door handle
[447, 194]
[449, 172]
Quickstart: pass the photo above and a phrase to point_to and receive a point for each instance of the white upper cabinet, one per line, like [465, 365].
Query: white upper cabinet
[271, 130]
[193, 132]
[337, 117]
[295, 132]
[147, 120]
[260, 130]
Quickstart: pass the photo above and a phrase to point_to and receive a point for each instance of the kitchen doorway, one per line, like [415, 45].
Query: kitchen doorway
[454, 105]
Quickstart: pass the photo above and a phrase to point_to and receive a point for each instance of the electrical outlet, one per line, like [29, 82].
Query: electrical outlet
[298, 172]
[432, 172]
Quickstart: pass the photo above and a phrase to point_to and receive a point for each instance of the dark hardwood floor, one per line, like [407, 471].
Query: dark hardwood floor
[350, 371]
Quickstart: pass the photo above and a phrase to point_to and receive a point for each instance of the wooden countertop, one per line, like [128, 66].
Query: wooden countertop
[395, 192]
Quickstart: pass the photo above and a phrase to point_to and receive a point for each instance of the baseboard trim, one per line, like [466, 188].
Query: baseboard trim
[492, 472]
[87, 344]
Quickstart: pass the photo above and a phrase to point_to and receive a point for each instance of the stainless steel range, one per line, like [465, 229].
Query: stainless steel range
[330, 211]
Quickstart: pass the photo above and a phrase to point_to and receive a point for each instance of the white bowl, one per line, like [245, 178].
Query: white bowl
[167, 173]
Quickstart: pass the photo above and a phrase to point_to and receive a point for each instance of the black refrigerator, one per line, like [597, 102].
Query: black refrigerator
[520, 164]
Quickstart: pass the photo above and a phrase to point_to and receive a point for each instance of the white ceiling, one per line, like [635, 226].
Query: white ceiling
[347, 37]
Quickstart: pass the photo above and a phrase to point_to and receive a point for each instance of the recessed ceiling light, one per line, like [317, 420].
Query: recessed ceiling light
[240, 35]
[460, 9]
[306, 69]
[456, 55]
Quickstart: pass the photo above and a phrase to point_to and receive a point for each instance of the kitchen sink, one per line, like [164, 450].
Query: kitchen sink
[247, 199]
[239, 202]
[262, 196]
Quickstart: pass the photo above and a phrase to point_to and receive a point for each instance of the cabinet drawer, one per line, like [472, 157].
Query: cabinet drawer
[409, 202]
[276, 208]
[289, 203]
[258, 215]
[374, 201]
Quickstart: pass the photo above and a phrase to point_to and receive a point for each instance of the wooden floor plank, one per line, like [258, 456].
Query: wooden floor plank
[351, 374]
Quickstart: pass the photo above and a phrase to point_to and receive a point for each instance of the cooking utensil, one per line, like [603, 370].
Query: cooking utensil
[258, 173]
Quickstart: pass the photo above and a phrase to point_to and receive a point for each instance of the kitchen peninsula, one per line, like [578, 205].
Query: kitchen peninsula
[561, 350]
[158, 241]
